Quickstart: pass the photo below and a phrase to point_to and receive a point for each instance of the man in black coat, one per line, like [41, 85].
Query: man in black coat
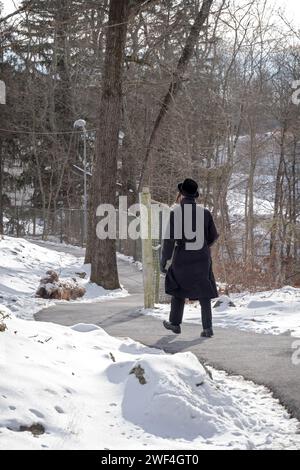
[190, 275]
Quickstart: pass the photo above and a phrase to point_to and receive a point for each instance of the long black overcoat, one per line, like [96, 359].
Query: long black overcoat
[190, 275]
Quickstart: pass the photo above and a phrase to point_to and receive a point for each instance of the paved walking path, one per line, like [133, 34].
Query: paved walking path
[264, 359]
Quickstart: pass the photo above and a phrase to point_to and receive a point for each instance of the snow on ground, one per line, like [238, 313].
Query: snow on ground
[272, 312]
[73, 388]
[131, 260]
[23, 264]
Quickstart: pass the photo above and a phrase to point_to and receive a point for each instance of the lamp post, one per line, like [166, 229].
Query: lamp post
[81, 124]
[2, 92]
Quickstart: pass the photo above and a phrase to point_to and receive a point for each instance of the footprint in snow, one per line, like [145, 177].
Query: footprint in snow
[37, 413]
[59, 410]
[52, 392]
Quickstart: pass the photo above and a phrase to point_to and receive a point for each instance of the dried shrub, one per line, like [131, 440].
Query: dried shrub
[51, 287]
[240, 276]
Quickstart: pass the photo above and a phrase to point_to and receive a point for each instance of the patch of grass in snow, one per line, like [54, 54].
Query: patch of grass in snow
[139, 372]
[3, 317]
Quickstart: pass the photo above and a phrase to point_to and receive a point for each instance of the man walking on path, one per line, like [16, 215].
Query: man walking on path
[190, 275]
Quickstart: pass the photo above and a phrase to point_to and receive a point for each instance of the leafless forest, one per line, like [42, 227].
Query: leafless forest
[200, 89]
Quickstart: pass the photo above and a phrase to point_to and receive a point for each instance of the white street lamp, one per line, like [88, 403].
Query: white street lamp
[81, 124]
[121, 138]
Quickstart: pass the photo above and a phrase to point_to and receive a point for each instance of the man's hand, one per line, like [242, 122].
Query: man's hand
[163, 269]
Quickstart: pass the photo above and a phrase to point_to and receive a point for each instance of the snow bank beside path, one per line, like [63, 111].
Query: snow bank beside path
[23, 264]
[79, 388]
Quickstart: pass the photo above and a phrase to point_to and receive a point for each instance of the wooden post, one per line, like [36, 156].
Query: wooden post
[148, 270]
[34, 223]
[156, 262]
[156, 249]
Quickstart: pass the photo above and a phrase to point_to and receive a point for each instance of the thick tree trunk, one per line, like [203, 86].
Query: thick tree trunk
[104, 263]
[1, 190]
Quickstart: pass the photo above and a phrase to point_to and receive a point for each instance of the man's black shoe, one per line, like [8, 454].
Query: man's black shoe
[207, 333]
[175, 328]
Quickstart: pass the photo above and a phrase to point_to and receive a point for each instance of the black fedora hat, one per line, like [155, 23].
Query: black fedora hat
[189, 188]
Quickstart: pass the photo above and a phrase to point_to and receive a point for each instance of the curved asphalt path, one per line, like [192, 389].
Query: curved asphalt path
[264, 359]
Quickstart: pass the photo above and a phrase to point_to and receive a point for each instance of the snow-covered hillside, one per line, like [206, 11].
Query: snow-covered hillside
[23, 264]
[75, 388]
[236, 202]
[274, 312]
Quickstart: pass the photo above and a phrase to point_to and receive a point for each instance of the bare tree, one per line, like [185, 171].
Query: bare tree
[177, 80]
[104, 264]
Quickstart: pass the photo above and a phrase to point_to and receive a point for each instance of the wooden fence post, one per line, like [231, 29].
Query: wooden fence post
[146, 235]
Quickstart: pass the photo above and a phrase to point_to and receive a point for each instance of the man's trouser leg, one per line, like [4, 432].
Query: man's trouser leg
[206, 313]
[177, 309]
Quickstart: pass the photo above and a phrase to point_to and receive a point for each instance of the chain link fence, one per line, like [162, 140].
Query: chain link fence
[61, 225]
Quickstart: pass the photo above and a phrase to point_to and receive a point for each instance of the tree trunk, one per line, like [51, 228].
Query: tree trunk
[1, 189]
[104, 262]
[249, 205]
[274, 244]
[89, 241]
[128, 174]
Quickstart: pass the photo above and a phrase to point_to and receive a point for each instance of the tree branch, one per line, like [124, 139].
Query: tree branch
[138, 5]
[16, 12]
[177, 80]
